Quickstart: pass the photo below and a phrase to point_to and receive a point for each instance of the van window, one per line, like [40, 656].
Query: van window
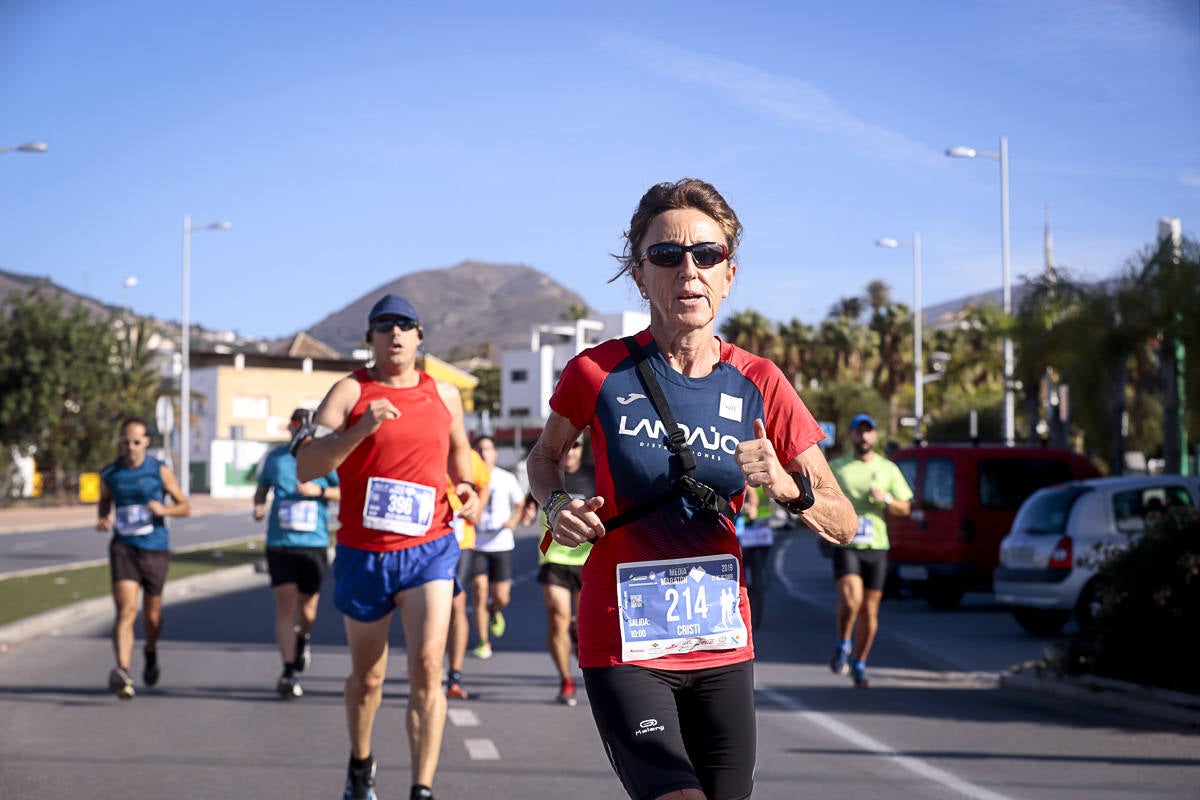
[1048, 512]
[938, 491]
[908, 468]
[1006, 483]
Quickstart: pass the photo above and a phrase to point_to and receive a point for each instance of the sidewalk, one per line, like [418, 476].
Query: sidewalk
[29, 519]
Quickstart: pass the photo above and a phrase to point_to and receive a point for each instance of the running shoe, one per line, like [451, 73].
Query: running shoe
[566, 693]
[360, 783]
[419, 792]
[151, 672]
[455, 691]
[120, 683]
[860, 675]
[288, 687]
[840, 663]
[303, 653]
[482, 651]
[498, 625]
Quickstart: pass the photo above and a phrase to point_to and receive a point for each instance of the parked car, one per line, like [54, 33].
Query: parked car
[1048, 562]
[964, 500]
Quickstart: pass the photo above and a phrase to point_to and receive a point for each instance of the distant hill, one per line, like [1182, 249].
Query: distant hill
[461, 307]
[15, 283]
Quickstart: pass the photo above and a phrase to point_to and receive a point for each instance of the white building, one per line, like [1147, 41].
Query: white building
[528, 377]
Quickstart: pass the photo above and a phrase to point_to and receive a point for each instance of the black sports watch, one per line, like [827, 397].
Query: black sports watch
[805, 500]
[474, 488]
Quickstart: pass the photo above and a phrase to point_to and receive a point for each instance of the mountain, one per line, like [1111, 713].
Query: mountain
[15, 283]
[462, 308]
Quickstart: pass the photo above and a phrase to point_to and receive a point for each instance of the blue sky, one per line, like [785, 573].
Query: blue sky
[351, 143]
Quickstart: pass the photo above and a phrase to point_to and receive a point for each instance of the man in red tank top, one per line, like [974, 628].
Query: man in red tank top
[393, 433]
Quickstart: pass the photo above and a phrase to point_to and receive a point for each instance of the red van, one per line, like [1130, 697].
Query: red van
[964, 500]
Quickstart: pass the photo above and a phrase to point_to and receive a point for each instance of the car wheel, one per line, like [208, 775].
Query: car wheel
[1086, 608]
[943, 595]
[1041, 621]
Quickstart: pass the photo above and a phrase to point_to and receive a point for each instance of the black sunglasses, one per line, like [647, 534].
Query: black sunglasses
[670, 254]
[386, 325]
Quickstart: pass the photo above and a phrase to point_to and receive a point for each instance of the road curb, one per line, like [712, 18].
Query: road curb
[52, 623]
[1146, 702]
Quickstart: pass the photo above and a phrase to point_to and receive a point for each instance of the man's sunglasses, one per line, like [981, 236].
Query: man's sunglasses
[670, 254]
[386, 325]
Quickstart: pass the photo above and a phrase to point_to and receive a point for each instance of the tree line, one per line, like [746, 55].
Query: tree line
[67, 378]
[1100, 366]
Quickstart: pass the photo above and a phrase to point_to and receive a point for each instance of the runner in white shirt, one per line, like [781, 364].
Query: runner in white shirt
[491, 572]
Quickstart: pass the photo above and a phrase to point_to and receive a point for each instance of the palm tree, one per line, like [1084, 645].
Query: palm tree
[797, 343]
[751, 331]
[1041, 349]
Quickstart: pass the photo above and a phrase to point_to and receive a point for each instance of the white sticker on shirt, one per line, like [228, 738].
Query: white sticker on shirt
[135, 520]
[730, 407]
[398, 506]
[298, 515]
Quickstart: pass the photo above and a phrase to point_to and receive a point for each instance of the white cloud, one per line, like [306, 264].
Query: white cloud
[791, 101]
[1190, 178]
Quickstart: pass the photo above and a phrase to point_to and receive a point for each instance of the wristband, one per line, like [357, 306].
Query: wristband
[322, 492]
[556, 502]
[474, 488]
[887, 499]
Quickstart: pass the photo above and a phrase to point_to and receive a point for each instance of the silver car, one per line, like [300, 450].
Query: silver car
[1049, 559]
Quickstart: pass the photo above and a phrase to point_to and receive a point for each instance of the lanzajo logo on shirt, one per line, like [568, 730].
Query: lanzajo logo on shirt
[730, 407]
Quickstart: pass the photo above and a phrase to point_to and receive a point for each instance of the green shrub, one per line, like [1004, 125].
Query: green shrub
[1150, 609]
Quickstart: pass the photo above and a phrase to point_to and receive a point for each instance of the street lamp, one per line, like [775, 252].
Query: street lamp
[129, 283]
[28, 147]
[1002, 157]
[918, 355]
[185, 346]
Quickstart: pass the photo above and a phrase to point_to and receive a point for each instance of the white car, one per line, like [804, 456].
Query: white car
[1049, 559]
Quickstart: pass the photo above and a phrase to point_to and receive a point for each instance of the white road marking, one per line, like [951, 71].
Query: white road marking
[864, 742]
[462, 718]
[482, 750]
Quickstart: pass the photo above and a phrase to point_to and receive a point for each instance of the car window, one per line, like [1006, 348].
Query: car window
[1178, 496]
[1005, 483]
[1131, 508]
[1048, 511]
[938, 491]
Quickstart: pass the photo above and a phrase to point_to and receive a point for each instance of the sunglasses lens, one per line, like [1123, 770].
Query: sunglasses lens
[665, 254]
[708, 254]
[386, 325]
[669, 254]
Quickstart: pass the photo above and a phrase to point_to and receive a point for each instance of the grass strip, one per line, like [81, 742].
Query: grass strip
[33, 594]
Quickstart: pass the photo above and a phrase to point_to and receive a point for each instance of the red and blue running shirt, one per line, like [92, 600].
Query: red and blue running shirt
[408, 456]
[600, 389]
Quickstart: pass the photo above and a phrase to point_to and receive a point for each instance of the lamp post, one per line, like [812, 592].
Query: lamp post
[185, 345]
[918, 324]
[1002, 157]
[28, 147]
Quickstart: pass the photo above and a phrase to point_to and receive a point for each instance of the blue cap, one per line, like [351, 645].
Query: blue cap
[391, 305]
[860, 419]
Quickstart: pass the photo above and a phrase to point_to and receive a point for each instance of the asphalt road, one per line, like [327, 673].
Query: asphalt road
[933, 725]
[46, 549]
